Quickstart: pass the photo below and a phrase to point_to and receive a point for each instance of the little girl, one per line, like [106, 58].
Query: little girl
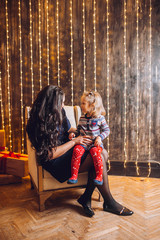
[93, 124]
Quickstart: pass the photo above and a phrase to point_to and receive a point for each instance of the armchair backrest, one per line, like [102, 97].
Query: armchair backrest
[73, 114]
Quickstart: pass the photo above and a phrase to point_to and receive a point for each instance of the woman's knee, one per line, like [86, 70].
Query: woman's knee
[87, 164]
[104, 155]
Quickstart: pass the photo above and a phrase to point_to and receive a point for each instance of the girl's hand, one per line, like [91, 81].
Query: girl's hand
[71, 136]
[98, 141]
[84, 140]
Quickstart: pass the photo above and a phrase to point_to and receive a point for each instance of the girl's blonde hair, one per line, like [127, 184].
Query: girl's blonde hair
[95, 101]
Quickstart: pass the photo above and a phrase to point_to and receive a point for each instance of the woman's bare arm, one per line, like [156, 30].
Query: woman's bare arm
[72, 129]
[60, 150]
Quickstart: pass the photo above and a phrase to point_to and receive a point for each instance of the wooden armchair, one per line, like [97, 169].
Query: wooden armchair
[44, 183]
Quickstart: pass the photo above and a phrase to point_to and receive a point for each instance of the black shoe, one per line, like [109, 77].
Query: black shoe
[88, 210]
[123, 212]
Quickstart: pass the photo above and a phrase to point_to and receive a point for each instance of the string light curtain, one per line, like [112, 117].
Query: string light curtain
[47, 43]
[57, 26]
[71, 32]
[137, 107]
[125, 87]
[1, 100]
[8, 78]
[41, 32]
[94, 39]
[40, 45]
[150, 88]
[31, 49]
[108, 83]
[84, 44]
[21, 76]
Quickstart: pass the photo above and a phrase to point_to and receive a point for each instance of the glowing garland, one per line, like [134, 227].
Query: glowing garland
[2, 109]
[137, 108]
[58, 62]
[40, 47]
[84, 45]
[47, 44]
[71, 29]
[21, 74]
[94, 36]
[125, 87]
[31, 49]
[8, 80]
[108, 106]
[150, 89]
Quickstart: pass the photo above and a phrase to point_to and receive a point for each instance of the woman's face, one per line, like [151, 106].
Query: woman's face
[86, 108]
[63, 101]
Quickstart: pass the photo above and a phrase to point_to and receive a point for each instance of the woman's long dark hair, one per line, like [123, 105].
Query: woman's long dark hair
[45, 121]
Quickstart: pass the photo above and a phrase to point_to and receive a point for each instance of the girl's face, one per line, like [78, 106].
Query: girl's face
[86, 108]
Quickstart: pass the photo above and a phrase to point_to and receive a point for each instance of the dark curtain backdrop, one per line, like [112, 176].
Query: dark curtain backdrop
[144, 131]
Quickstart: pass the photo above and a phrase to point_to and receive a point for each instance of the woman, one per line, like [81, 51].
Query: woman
[48, 129]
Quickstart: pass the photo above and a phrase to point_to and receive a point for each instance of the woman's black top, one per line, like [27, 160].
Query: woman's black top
[60, 168]
[63, 132]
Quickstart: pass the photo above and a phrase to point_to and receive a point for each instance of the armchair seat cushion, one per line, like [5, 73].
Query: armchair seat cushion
[49, 182]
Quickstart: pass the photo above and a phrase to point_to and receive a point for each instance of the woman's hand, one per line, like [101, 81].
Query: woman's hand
[60, 150]
[71, 136]
[84, 140]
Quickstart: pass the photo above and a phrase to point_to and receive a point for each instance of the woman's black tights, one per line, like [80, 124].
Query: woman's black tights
[103, 189]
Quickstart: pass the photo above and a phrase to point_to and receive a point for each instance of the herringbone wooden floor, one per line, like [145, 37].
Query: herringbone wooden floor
[63, 218]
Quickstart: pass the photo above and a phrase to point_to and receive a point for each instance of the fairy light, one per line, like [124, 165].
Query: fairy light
[8, 79]
[125, 87]
[47, 43]
[137, 109]
[94, 36]
[40, 47]
[1, 102]
[84, 45]
[150, 88]
[58, 61]
[31, 49]
[71, 29]
[108, 105]
[21, 74]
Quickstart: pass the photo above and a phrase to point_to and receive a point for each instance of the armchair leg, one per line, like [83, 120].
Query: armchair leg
[32, 185]
[43, 196]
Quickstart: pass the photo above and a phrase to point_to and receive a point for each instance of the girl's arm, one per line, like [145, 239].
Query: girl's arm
[105, 131]
[60, 150]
